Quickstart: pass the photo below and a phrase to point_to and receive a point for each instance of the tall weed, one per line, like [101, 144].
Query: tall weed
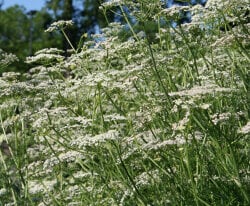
[160, 118]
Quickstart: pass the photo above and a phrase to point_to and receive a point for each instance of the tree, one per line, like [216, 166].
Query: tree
[23, 34]
[1, 4]
[93, 18]
[88, 18]
[14, 30]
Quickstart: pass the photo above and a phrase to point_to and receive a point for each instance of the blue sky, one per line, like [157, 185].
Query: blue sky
[28, 4]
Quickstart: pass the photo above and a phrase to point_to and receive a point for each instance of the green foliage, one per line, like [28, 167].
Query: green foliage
[17, 29]
[22, 32]
[130, 121]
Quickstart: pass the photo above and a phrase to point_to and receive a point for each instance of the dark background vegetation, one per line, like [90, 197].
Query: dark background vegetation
[22, 32]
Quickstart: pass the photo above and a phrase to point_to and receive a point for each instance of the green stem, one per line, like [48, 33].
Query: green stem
[65, 35]
[129, 24]
[155, 70]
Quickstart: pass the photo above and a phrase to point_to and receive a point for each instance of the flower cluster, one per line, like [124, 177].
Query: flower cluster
[61, 24]
[6, 59]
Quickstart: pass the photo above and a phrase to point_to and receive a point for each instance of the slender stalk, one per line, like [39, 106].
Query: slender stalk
[128, 22]
[65, 35]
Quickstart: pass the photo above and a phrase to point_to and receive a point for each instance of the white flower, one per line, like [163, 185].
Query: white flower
[70, 156]
[61, 24]
[43, 186]
[245, 129]
[49, 51]
[201, 90]
[217, 118]
[175, 10]
[224, 41]
[181, 125]
[87, 140]
[148, 178]
[177, 140]
[44, 58]
[111, 3]
[6, 59]
[114, 117]
[10, 76]
[205, 106]
[3, 191]
[49, 164]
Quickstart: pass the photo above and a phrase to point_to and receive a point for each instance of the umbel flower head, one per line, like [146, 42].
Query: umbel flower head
[46, 56]
[6, 59]
[58, 25]
[61, 25]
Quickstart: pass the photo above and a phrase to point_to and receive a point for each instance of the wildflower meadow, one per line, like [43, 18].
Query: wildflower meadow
[149, 119]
